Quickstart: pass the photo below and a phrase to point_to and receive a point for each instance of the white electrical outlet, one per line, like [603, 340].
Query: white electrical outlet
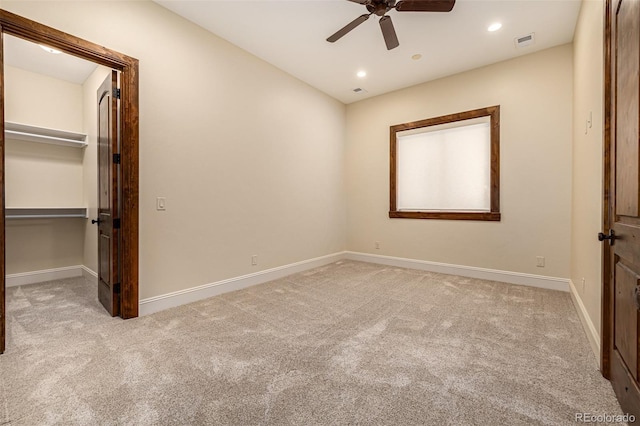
[540, 261]
[377, 245]
[254, 260]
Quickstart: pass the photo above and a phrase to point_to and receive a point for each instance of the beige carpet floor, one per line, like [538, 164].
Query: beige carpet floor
[349, 343]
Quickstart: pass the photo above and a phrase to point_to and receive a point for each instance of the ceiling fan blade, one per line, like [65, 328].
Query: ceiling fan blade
[425, 5]
[350, 26]
[360, 1]
[389, 33]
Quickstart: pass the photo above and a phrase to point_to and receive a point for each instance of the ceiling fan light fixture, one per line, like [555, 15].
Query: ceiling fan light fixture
[49, 49]
[494, 27]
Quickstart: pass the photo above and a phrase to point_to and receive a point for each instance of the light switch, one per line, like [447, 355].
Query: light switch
[161, 204]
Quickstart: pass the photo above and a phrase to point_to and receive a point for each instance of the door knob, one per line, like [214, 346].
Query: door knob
[611, 237]
[94, 221]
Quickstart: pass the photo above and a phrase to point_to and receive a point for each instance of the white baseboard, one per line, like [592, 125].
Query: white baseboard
[90, 275]
[33, 277]
[590, 330]
[182, 297]
[551, 283]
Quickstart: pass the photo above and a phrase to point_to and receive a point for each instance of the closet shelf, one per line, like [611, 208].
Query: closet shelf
[45, 212]
[25, 132]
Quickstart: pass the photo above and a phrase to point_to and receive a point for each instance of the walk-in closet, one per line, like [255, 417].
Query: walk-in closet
[51, 182]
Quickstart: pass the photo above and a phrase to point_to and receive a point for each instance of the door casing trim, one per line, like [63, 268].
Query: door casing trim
[606, 343]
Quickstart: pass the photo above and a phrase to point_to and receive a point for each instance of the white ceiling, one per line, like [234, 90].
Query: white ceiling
[291, 34]
[29, 56]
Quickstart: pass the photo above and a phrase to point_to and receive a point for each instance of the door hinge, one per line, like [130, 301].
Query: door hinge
[116, 158]
[116, 288]
[116, 93]
[116, 223]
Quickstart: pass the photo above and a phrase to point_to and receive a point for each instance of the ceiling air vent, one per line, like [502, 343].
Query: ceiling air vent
[359, 90]
[525, 41]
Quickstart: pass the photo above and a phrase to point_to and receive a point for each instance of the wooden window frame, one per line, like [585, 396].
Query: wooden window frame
[493, 113]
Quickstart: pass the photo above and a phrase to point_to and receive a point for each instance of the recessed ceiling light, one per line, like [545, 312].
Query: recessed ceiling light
[416, 57]
[361, 74]
[49, 49]
[494, 27]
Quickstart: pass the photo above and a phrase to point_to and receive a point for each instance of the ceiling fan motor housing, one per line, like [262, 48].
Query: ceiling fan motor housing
[380, 7]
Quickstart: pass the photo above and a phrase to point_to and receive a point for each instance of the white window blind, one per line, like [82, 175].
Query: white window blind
[445, 167]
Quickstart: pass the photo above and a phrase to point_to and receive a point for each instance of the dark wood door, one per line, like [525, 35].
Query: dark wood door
[623, 298]
[108, 183]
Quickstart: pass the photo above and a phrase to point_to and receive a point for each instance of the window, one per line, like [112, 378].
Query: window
[447, 167]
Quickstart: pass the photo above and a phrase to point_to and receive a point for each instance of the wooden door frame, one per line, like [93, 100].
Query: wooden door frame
[606, 339]
[129, 147]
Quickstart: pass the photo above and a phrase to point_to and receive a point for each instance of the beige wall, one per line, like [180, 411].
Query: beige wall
[535, 95]
[40, 175]
[249, 159]
[36, 245]
[39, 100]
[588, 99]
[90, 165]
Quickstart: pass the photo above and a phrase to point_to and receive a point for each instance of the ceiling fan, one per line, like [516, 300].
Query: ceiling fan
[381, 7]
